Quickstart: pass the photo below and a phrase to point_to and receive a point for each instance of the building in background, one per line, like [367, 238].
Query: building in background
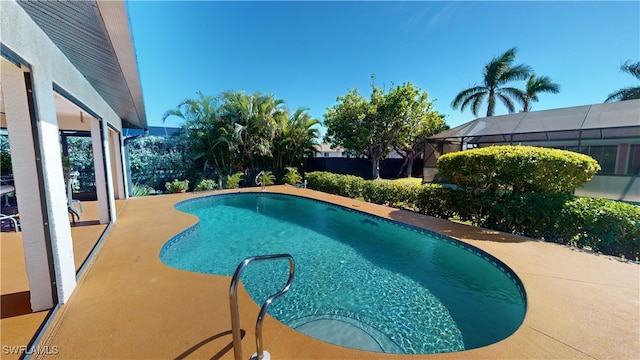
[610, 133]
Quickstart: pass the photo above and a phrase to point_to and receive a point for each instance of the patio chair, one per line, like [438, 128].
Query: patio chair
[74, 207]
[4, 191]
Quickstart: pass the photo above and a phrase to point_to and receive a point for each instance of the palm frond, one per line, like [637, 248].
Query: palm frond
[463, 97]
[499, 65]
[515, 93]
[476, 104]
[629, 93]
[508, 103]
[540, 84]
[631, 68]
[536, 85]
[172, 112]
[518, 72]
[473, 101]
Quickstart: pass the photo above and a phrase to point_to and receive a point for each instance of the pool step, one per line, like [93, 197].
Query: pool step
[347, 332]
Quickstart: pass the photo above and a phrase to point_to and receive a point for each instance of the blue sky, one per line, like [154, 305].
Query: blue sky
[308, 53]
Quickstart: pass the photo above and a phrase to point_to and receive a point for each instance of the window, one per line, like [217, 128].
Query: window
[606, 156]
[634, 160]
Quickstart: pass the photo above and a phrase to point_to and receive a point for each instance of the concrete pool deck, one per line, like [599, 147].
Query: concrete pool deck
[128, 304]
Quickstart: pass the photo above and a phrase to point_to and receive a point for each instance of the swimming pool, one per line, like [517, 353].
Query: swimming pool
[361, 281]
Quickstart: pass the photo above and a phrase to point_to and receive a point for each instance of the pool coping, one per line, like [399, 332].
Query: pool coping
[580, 305]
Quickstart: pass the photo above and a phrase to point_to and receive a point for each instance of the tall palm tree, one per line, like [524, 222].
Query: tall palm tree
[302, 135]
[255, 119]
[537, 85]
[296, 138]
[631, 92]
[496, 73]
[204, 131]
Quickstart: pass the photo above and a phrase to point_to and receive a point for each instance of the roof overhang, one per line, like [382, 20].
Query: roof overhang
[598, 121]
[95, 36]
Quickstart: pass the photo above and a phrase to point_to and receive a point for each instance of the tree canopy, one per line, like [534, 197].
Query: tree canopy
[238, 131]
[496, 73]
[373, 126]
[412, 139]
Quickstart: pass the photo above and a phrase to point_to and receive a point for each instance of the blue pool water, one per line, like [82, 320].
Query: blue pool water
[361, 281]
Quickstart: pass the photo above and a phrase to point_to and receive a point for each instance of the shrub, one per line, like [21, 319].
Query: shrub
[154, 160]
[314, 178]
[432, 200]
[605, 226]
[375, 193]
[526, 169]
[349, 185]
[205, 185]
[343, 185]
[233, 181]
[532, 215]
[384, 192]
[292, 176]
[177, 186]
[322, 181]
[142, 190]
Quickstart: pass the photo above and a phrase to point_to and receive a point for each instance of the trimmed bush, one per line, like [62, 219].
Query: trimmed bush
[343, 185]
[433, 200]
[606, 226]
[384, 192]
[377, 192]
[532, 215]
[525, 169]
[322, 181]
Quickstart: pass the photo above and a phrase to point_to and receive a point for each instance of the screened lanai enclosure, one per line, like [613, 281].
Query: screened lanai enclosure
[610, 133]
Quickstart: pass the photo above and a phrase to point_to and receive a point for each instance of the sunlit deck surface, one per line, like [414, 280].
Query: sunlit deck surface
[19, 324]
[128, 304]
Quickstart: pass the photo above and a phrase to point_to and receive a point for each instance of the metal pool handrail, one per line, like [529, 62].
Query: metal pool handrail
[233, 300]
[258, 182]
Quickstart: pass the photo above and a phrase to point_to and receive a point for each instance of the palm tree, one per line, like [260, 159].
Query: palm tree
[628, 93]
[300, 136]
[255, 119]
[203, 131]
[537, 85]
[496, 73]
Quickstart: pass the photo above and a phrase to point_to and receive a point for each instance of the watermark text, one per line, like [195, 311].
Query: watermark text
[34, 350]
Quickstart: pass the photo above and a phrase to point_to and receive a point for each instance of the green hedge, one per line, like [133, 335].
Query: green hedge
[605, 226]
[344, 185]
[526, 169]
[532, 215]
